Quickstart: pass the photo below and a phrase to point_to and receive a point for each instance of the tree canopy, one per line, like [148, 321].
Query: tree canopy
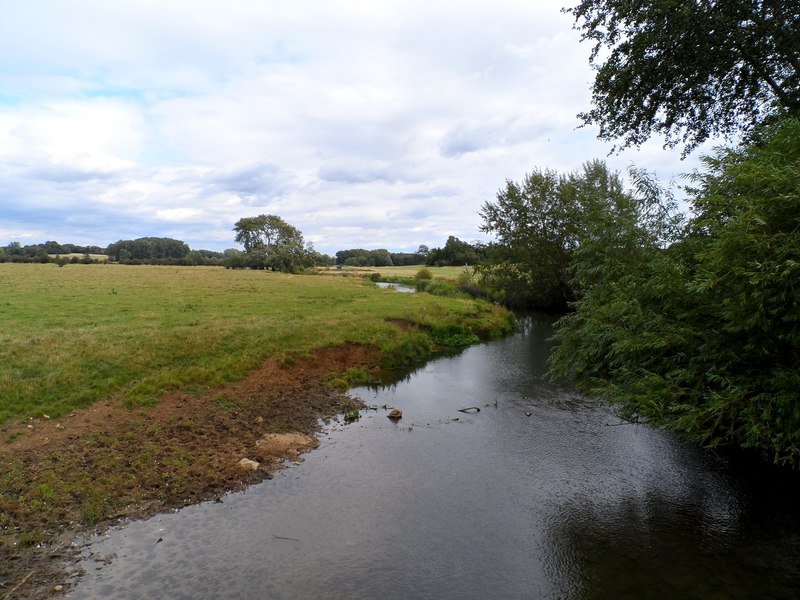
[147, 249]
[690, 70]
[271, 243]
[455, 253]
[702, 335]
[539, 223]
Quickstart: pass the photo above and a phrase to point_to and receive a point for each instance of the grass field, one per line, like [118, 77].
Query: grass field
[74, 335]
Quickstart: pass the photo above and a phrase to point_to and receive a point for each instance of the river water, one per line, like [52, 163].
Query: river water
[541, 494]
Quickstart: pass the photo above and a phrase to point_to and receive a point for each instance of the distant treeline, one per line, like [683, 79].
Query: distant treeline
[162, 251]
[47, 252]
[358, 257]
[168, 251]
[454, 253]
[148, 250]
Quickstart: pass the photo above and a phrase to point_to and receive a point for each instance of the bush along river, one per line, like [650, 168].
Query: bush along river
[540, 494]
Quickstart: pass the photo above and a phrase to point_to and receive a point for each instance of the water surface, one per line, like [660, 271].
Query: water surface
[398, 287]
[541, 494]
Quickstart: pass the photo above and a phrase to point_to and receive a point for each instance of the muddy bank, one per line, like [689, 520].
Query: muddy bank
[105, 463]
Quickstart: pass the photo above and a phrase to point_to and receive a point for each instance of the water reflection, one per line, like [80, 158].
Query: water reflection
[398, 287]
[542, 494]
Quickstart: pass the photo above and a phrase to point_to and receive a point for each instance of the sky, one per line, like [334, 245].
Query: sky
[365, 124]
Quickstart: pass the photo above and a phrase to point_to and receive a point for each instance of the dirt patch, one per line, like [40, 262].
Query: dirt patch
[60, 477]
[284, 444]
[403, 324]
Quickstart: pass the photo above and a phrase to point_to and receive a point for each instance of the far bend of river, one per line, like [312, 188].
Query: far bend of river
[565, 503]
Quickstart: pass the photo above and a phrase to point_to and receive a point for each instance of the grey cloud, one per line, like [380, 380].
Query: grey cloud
[341, 174]
[442, 191]
[264, 180]
[474, 137]
[65, 174]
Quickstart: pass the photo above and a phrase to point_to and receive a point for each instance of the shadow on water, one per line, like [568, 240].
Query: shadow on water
[541, 494]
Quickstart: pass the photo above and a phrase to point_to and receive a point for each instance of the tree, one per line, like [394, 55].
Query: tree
[702, 336]
[538, 224]
[690, 70]
[359, 257]
[455, 253]
[271, 243]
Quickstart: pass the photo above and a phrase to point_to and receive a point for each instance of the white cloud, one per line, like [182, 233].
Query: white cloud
[362, 123]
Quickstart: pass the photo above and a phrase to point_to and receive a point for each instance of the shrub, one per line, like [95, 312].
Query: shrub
[442, 288]
[455, 336]
[473, 291]
[467, 276]
[423, 273]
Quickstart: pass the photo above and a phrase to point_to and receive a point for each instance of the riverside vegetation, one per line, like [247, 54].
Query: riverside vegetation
[685, 321]
[128, 390]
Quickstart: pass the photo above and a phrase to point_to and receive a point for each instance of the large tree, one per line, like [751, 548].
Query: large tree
[701, 336]
[271, 243]
[539, 223]
[690, 69]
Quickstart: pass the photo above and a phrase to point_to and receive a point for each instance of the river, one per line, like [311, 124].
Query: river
[541, 494]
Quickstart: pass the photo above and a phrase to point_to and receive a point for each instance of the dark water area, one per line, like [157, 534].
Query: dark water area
[541, 494]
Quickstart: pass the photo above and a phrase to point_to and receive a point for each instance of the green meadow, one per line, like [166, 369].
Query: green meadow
[71, 336]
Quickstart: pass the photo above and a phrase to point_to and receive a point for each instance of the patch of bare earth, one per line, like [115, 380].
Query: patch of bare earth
[105, 463]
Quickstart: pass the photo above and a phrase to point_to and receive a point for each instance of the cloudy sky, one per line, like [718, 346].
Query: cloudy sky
[372, 124]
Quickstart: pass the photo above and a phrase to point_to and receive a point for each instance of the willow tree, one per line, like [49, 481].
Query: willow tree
[539, 222]
[703, 337]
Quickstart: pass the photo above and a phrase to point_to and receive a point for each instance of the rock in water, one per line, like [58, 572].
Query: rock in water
[395, 415]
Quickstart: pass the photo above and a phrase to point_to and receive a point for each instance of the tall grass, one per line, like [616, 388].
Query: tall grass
[74, 335]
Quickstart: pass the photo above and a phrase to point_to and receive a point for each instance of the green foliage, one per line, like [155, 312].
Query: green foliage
[354, 376]
[539, 223]
[455, 336]
[423, 273]
[690, 70]
[702, 336]
[147, 249]
[358, 257]
[271, 243]
[438, 287]
[466, 276]
[456, 253]
[352, 415]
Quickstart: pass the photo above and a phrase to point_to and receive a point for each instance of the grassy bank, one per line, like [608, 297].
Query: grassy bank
[74, 335]
[132, 390]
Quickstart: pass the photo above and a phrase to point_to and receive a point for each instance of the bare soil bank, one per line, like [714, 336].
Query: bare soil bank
[105, 463]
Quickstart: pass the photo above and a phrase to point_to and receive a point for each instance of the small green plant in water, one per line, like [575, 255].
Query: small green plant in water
[352, 415]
